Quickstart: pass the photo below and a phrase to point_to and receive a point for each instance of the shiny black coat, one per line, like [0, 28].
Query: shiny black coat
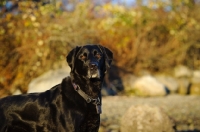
[60, 109]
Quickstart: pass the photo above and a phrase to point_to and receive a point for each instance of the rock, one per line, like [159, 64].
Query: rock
[48, 80]
[148, 86]
[182, 71]
[195, 89]
[169, 82]
[17, 92]
[145, 118]
[128, 81]
[184, 85]
[195, 76]
[195, 86]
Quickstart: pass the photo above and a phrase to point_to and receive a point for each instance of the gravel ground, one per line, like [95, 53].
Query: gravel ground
[183, 110]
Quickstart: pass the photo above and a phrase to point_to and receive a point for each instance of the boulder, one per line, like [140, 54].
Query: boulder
[182, 71]
[195, 86]
[48, 80]
[128, 81]
[148, 86]
[17, 92]
[145, 118]
[195, 76]
[184, 85]
[169, 82]
[195, 89]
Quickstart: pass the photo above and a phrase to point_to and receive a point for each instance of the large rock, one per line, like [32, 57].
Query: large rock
[184, 85]
[195, 76]
[48, 80]
[128, 81]
[195, 89]
[182, 71]
[195, 80]
[146, 118]
[170, 82]
[149, 86]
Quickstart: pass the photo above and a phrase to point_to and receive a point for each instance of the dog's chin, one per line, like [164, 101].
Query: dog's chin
[93, 75]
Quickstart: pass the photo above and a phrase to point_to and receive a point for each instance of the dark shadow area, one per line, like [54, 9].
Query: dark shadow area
[112, 82]
[167, 90]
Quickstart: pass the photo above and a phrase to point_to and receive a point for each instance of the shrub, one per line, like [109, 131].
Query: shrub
[142, 37]
[154, 39]
[37, 40]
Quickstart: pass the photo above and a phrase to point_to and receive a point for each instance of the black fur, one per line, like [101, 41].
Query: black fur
[61, 109]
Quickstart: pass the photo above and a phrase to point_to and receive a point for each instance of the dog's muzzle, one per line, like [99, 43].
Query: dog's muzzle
[93, 71]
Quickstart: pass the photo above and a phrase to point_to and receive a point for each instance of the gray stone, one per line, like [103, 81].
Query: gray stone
[17, 92]
[195, 89]
[195, 80]
[149, 86]
[169, 82]
[182, 71]
[195, 76]
[145, 118]
[128, 81]
[184, 85]
[48, 80]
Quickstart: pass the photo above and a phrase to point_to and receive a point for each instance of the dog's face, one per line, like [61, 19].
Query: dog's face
[90, 61]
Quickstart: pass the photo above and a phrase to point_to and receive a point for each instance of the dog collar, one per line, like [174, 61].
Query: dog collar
[87, 98]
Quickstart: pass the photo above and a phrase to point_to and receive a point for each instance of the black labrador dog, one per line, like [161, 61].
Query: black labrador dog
[72, 106]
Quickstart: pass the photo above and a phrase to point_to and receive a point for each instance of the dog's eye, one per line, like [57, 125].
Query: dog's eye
[98, 56]
[83, 56]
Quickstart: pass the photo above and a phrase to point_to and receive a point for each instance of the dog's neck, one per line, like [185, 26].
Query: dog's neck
[91, 87]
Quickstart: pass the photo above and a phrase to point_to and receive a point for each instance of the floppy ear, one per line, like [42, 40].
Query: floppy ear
[108, 55]
[71, 56]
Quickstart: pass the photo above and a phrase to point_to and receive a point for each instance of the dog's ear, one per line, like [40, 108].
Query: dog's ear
[108, 55]
[71, 56]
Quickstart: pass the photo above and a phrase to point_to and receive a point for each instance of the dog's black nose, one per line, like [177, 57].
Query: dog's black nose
[93, 65]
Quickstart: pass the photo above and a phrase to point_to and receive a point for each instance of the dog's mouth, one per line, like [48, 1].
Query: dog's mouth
[93, 73]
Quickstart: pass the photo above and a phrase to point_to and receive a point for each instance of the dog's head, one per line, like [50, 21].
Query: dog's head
[90, 61]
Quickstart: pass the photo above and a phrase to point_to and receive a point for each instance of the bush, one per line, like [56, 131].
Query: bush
[143, 37]
[153, 39]
[37, 40]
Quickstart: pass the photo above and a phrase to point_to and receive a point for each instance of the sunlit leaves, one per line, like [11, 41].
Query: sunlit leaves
[155, 36]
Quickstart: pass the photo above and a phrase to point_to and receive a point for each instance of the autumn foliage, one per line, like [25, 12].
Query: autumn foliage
[157, 37]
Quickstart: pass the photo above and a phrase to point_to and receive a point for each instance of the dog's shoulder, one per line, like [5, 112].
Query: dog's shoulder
[66, 86]
[66, 82]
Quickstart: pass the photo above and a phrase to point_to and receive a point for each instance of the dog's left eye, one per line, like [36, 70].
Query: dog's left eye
[98, 56]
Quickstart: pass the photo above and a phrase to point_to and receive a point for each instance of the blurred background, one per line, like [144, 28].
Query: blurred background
[154, 41]
[150, 36]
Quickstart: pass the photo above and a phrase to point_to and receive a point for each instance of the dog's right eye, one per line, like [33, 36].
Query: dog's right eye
[83, 56]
